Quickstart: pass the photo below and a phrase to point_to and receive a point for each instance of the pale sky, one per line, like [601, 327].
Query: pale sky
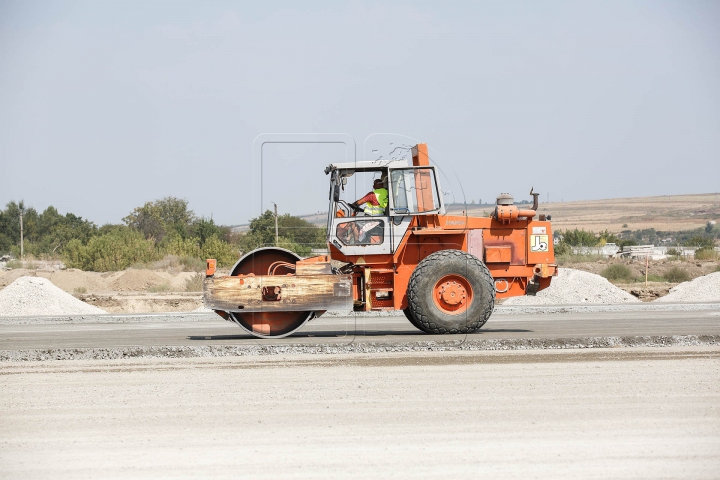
[107, 105]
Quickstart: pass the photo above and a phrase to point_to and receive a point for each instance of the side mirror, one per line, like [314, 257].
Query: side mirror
[344, 181]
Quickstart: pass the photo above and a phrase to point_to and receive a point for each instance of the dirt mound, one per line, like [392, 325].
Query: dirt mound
[38, 296]
[73, 280]
[702, 289]
[134, 280]
[575, 287]
[10, 276]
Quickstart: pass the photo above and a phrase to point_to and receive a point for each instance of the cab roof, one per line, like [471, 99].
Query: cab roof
[366, 165]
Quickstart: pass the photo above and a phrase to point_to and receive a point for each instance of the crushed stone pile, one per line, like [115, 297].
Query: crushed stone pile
[574, 287]
[701, 289]
[38, 296]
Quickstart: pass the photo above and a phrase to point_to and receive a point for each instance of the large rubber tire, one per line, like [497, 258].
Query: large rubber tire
[411, 319]
[459, 273]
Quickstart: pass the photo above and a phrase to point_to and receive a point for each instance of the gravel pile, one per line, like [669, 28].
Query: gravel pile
[573, 287]
[38, 296]
[701, 289]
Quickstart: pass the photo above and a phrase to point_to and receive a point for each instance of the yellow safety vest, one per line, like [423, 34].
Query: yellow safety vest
[376, 210]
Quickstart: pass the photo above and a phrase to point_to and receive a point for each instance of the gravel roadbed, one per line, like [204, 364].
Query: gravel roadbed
[362, 348]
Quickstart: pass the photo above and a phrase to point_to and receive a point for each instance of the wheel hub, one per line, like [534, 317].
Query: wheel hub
[453, 294]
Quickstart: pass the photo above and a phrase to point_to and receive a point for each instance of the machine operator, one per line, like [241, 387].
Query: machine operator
[375, 201]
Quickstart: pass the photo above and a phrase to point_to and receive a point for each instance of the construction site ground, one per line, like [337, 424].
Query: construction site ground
[605, 413]
[564, 391]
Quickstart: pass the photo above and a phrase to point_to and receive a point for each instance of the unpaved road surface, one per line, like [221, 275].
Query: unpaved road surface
[606, 413]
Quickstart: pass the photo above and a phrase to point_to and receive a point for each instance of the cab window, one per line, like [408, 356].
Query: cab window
[361, 232]
[414, 191]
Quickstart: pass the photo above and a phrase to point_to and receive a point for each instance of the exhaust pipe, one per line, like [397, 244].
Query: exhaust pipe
[535, 199]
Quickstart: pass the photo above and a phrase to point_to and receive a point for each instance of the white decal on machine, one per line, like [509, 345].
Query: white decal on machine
[539, 243]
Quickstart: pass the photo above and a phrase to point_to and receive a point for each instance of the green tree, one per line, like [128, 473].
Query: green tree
[607, 237]
[225, 254]
[205, 228]
[700, 241]
[162, 217]
[579, 238]
[300, 235]
[10, 227]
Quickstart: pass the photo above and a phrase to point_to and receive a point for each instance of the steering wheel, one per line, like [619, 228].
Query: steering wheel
[348, 207]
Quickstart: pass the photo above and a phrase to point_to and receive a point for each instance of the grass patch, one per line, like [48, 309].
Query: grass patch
[653, 278]
[706, 254]
[162, 287]
[195, 283]
[80, 290]
[14, 264]
[568, 258]
[676, 275]
[617, 272]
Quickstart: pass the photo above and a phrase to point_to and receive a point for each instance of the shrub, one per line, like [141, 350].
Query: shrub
[617, 272]
[14, 264]
[113, 251]
[706, 254]
[80, 290]
[579, 238]
[181, 247]
[676, 275]
[700, 242]
[163, 287]
[192, 264]
[672, 252]
[225, 254]
[562, 248]
[195, 283]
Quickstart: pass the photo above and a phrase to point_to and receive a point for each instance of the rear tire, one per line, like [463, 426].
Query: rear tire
[450, 291]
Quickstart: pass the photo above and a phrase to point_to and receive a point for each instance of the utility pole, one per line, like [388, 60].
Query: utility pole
[276, 224]
[22, 233]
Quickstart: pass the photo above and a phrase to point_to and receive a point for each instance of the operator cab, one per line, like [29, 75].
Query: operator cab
[412, 190]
